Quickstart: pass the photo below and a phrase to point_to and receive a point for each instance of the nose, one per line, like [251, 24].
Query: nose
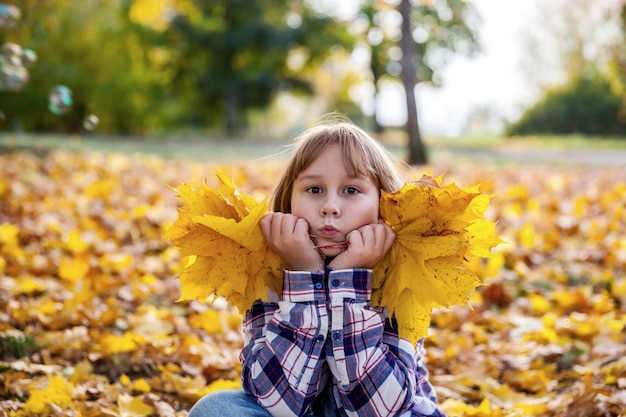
[330, 208]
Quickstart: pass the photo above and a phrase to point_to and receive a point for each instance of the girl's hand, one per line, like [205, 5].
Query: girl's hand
[288, 236]
[367, 246]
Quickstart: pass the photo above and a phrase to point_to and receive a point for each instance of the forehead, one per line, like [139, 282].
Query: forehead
[336, 157]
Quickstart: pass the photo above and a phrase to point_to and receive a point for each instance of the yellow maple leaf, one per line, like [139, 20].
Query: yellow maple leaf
[75, 242]
[111, 344]
[57, 392]
[28, 285]
[74, 268]
[437, 229]
[141, 385]
[222, 384]
[218, 232]
[130, 406]
[8, 234]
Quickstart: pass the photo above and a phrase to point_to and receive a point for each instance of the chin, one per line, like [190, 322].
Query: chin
[331, 252]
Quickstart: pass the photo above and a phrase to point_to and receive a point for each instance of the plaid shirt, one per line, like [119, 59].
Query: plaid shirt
[324, 349]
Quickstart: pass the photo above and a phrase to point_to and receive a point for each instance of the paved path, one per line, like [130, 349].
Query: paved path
[599, 157]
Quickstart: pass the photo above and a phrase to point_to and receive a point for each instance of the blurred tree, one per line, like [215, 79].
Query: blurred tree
[94, 50]
[581, 40]
[582, 58]
[412, 41]
[417, 153]
[145, 65]
[586, 105]
[383, 43]
[619, 65]
[233, 56]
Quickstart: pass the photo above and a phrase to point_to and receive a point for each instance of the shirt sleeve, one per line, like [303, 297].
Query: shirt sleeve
[283, 354]
[376, 372]
[425, 402]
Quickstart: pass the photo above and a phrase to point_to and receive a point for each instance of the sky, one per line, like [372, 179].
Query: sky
[490, 80]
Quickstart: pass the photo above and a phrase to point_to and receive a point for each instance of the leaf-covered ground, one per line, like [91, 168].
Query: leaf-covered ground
[90, 326]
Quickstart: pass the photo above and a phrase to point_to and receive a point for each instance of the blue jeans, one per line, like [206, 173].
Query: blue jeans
[229, 403]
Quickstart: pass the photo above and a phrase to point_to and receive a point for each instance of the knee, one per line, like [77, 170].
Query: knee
[215, 403]
[208, 405]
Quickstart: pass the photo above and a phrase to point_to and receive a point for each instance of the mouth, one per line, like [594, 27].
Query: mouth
[329, 234]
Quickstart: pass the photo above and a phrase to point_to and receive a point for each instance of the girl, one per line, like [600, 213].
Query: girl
[321, 349]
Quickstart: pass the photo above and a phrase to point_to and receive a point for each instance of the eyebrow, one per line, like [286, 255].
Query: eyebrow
[307, 177]
[316, 176]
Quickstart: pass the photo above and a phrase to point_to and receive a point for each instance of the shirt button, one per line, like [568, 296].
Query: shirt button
[320, 338]
[318, 285]
[335, 283]
[337, 335]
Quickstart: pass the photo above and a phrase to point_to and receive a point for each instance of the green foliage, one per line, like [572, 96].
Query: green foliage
[91, 48]
[585, 106]
[448, 27]
[442, 28]
[209, 63]
[16, 347]
[232, 58]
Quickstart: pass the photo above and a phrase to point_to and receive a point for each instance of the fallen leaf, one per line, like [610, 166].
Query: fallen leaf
[58, 392]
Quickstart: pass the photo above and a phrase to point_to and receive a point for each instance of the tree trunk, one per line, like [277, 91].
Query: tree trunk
[417, 154]
[231, 113]
[378, 128]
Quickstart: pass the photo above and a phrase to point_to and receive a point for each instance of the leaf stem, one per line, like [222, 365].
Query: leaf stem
[338, 244]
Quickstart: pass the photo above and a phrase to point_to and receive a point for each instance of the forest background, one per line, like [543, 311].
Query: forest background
[105, 105]
[215, 69]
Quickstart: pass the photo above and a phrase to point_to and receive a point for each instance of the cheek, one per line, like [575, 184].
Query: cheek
[370, 213]
[376, 209]
[375, 214]
[298, 208]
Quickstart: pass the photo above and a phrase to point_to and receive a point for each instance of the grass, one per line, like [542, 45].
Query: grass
[17, 346]
[224, 150]
[166, 147]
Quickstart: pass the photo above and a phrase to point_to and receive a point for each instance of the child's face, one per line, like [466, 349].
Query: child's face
[331, 201]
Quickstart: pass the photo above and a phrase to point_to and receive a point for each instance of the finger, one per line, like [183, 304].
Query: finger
[390, 237]
[277, 224]
[368, 234]
[354, 238]
[380, 234]
[389, 233]
[288, 224]
[266, 223]
[301, 228]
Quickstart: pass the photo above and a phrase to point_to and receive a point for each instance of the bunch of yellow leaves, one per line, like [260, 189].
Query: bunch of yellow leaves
[437, 229]
[218, 235]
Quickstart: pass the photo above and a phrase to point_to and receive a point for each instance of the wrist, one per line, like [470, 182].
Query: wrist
[341, 263]
[306, 267]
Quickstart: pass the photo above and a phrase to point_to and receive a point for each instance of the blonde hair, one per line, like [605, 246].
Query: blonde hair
[362, 155]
